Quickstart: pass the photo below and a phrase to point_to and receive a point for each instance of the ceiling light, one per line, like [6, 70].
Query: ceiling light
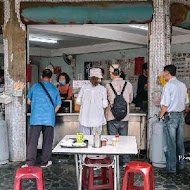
[142, 27]
[44, 40]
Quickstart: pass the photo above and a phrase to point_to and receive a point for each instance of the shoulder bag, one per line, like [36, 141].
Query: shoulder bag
[187, 118]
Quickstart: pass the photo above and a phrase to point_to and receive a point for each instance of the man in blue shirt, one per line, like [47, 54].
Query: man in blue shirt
[173, 103]
[42, 119]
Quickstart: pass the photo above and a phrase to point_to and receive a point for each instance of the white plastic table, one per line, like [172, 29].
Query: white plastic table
[126, 145]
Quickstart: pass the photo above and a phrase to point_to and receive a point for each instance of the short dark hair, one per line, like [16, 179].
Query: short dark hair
[102, 71]
[47, 73]
[171, 69]
[122, 75]
[67, 78]
[145, 66]
[94, 81]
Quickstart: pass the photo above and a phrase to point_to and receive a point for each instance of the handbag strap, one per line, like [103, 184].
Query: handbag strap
[42, 85]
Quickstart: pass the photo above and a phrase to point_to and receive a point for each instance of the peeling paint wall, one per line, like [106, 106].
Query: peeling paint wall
[15, 59]
[159, 53]
[86, 12]
[15, 69]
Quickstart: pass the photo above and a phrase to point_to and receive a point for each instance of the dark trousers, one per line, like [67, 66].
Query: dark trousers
[121, 128]
[34, 133]
[118, 127]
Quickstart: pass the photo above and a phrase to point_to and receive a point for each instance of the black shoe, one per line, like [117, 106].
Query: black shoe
[182, 170]
[165, 172]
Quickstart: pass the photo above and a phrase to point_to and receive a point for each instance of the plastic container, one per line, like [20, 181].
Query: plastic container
[114, 141]
[17, 93]
[158, 145]
[4, 150]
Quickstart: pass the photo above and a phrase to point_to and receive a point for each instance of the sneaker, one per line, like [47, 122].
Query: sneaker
[47, 165]
[124, 165]
[24, 166]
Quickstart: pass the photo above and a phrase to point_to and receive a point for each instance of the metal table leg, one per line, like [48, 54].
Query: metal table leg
[77, 169]
[80, 172]
[78, 163]
[115, 172]
[118, 171]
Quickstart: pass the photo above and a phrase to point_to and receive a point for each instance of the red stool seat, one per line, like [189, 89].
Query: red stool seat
[31, 172]
[142, 168]
[88, 177]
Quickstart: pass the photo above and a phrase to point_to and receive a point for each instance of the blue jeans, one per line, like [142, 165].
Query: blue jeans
[174, 123]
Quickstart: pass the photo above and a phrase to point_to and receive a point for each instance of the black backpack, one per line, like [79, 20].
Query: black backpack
[119, 108]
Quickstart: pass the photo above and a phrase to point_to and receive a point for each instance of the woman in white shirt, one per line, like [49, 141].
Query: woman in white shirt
[93, 99]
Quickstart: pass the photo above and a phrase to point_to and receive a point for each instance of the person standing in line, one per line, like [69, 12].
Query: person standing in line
[45, 101]
[142, 87]
[173, 102]
[93, 99]
[114, 125]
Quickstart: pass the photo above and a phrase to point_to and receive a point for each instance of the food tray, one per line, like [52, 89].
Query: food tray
[74, 146]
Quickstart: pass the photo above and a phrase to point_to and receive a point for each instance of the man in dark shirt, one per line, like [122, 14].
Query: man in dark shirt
[2, 76]
[142, 88]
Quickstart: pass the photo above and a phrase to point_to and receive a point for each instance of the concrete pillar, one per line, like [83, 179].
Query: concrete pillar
[159, 52]
[14, 37]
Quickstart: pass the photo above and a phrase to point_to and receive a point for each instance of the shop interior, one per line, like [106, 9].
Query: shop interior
[74, 49]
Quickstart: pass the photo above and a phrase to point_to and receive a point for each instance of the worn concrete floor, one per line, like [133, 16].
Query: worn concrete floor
[61, 176]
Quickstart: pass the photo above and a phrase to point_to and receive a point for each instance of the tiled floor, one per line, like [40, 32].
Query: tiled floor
[61, 176]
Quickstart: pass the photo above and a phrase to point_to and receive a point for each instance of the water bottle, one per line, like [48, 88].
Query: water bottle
[96, 131]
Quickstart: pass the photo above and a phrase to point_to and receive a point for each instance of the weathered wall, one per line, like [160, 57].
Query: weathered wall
[15, 49]
[14, 38]
[86, 12]
[159, 53]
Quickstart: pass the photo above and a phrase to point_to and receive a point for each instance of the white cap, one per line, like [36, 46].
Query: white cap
[96, 72]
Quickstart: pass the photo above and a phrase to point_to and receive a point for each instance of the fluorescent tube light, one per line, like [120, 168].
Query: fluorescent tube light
[142, 27]
[44, 40]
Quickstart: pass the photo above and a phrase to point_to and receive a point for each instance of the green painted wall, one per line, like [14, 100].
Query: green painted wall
[112, 14]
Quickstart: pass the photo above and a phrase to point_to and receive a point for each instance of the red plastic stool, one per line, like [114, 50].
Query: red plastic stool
[30, 172]
[88, 177]
[138, 167]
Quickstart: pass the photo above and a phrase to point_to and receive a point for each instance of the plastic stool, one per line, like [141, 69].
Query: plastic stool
[88, 177]
[138, 167]
[30, 172]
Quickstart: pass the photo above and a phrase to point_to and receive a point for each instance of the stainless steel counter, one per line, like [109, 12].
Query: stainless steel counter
[67, 124]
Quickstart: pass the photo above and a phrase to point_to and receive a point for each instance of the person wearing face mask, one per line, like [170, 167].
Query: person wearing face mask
[65, 89]
[173, 103]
